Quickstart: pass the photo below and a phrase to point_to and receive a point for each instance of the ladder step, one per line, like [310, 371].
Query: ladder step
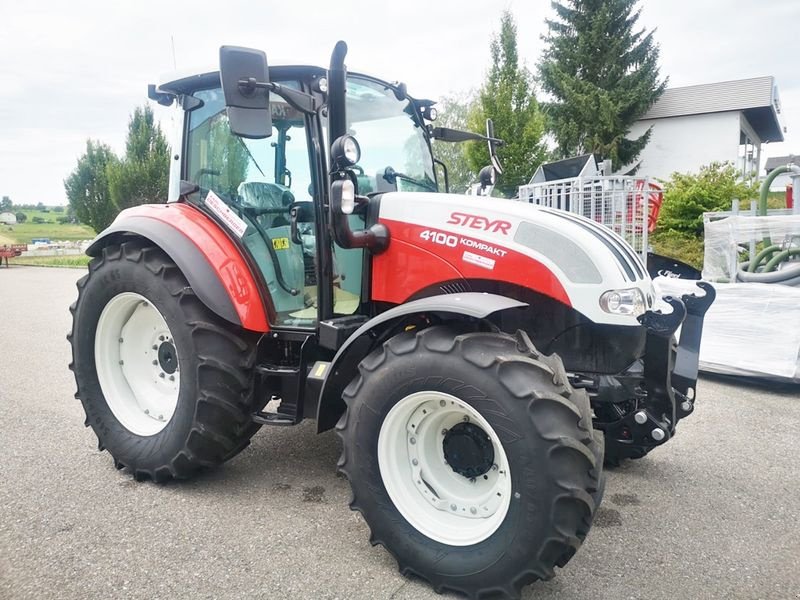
[280, 419]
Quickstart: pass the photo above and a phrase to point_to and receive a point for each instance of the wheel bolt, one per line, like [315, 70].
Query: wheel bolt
[147, 411]
[415, 462]
[473, 510]
[120, 340]
[122, 362]
[172, 377]
[494, 467]
[155, 347]
[442, 402]
[161, 338]
[453, 507]
[640, 417]
[413, 441]
[155, 362]
[444, 431]
[161, 375]
[160, 417]
[466, 419]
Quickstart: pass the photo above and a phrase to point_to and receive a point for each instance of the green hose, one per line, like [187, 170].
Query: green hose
[762, 198]
[779, 258]
[761, 256]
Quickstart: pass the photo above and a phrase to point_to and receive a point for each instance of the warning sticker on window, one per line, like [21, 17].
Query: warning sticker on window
[223, 211]
[477, 259]
[280, 243]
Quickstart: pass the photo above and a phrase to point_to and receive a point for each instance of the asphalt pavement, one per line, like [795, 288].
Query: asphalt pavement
[713, 514]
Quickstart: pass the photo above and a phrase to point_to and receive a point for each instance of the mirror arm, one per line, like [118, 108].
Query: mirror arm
[301, 101]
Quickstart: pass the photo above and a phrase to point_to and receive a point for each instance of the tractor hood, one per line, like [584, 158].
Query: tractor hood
[560, 254]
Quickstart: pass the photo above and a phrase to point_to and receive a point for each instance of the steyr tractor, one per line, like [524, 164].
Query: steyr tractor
[478, 357]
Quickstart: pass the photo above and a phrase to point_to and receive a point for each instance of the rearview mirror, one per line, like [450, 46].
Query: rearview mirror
[244, 75]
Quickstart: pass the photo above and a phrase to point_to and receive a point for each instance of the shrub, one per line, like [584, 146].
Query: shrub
[674, 244]
[38, 220]
[688, 196]
[21, 217]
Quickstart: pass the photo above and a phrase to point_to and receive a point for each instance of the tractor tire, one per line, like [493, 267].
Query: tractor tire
[167, 386]
[471, 459]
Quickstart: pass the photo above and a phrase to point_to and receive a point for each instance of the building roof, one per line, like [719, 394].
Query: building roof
[779, 161]
[565, 168]
[757, 98]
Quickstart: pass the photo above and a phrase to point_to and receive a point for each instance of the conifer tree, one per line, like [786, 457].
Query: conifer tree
[602, 71]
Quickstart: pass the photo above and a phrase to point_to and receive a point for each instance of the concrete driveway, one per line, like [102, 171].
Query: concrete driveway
[714, 514]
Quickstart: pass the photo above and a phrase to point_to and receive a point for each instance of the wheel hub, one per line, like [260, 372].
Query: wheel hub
[167, 357]
[468, 450]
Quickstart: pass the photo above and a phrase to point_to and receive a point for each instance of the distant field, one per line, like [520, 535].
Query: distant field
[78, 261]
[23, 233]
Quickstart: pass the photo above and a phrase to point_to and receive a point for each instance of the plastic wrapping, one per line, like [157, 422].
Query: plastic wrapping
[751, 329]
[724, 239]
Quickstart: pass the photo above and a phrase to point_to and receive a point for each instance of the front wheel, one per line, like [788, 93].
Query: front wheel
[167, 385]
[471, 458]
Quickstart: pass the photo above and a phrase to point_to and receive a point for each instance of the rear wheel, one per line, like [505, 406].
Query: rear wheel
[471, 458]
[166, 385]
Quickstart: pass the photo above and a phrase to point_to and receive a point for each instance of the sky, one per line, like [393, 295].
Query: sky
[76, 70]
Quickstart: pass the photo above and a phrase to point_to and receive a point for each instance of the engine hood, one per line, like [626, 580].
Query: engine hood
[504, 237]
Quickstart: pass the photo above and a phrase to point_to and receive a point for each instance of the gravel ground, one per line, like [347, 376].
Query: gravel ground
[713, 514]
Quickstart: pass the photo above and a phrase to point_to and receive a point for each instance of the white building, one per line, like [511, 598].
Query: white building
[8, 218]
[700, 124]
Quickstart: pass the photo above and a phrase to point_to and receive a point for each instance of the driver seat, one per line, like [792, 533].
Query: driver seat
[262, 194]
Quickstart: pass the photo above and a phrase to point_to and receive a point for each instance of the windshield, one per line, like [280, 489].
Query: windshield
[389, 136]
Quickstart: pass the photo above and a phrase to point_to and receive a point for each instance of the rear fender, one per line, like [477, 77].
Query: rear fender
[210, 261]
[344, 365]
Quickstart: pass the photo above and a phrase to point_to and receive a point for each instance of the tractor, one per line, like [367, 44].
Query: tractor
[480, 358]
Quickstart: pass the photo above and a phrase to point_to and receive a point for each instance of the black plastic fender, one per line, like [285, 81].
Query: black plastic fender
[345, 363]
[183, 251]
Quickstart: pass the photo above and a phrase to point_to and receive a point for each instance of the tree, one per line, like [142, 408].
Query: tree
[508, 99]
[21, 217]
[87, 187]
[6, 204]
[453, 113]
[603, 75]
[142, 176]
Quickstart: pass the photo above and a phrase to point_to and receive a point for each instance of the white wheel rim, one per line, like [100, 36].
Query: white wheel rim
[436, 500]
[133, 359]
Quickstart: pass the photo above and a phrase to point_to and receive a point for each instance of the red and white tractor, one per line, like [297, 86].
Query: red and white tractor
[478, 357]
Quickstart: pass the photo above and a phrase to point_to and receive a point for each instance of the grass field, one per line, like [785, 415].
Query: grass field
[78, 261]
[23, 233]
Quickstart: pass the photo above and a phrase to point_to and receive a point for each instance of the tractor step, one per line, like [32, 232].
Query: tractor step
[268, 418]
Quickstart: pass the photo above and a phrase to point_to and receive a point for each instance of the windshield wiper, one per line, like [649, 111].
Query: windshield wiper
[390, 175]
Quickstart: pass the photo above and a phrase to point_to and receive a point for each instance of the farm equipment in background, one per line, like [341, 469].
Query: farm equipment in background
[10, 251]
[478, 357]
[627, 205]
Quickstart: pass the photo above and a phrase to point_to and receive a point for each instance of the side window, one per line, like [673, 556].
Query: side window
[260, 180]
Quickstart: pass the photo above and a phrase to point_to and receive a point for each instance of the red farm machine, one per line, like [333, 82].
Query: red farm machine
[479, 357]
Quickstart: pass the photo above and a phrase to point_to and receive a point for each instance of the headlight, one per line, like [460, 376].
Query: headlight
[348, 197]
[623, 302]
[345, 152]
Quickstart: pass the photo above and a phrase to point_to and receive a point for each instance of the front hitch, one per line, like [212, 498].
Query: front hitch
[669, 373]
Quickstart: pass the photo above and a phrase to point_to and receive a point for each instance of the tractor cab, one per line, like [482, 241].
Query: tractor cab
[273, 186]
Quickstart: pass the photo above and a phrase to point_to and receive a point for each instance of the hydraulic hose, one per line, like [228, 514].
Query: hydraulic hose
[761, 256]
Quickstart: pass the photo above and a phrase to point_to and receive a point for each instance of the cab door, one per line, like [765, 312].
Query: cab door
[258, 182]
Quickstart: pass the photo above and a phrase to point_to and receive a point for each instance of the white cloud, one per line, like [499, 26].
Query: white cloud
[74, 70]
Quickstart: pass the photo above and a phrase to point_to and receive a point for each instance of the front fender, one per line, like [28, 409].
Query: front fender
[344, 365]
[210, 261]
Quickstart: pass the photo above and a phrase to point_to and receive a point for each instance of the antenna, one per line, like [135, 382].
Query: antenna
[174, 62]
